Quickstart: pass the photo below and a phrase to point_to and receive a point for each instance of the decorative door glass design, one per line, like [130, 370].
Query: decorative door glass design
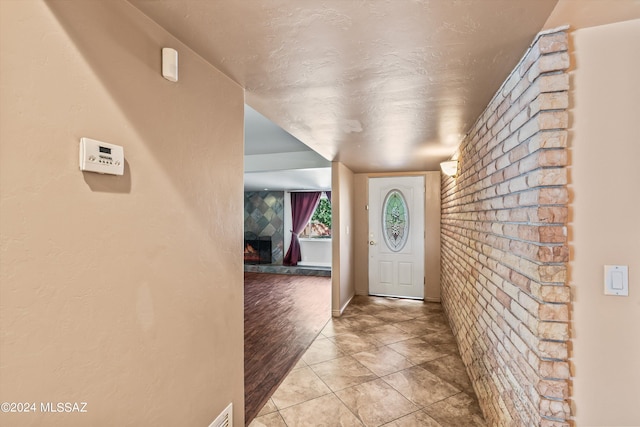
[395, 220]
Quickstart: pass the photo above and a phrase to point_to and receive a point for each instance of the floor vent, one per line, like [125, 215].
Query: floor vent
[225, 419]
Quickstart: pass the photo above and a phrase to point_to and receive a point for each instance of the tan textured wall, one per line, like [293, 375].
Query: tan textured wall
[603, 226]
[590, 13]
[504, 248]
[122, 292]
[432, 236]
[342, 270]
[361, 233]
[432, 229]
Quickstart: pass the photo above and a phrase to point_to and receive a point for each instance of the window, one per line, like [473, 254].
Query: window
[319, 226]
[395, 220]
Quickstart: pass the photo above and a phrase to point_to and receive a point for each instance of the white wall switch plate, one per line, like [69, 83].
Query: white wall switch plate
[616, 280]
[101, 157]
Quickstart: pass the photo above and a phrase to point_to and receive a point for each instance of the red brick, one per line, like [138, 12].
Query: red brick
[520, 281]
[554, 312]
[504, 299]
[553, 196]
[554, 370]
[551, 214]
[552, 234]
[555, 42]
[552, 254]
[553, 83]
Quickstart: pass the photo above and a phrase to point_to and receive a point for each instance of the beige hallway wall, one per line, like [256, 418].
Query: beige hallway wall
[604, 227]
[591, 13]
[342, 270]
[606, 375]
[121, 292]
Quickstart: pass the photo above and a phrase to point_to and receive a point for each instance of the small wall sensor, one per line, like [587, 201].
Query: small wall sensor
[170, 64]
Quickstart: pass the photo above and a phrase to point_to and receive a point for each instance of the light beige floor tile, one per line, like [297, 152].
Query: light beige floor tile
[322, 349]
[270, 420]
[436, 338]
[450, 348]
[374, 309]
[299, 386]
[375, 402]
[370, 302]
[268, 408]
[325, 411]
[438, 318]
[300, 364]
[415, 308]
[348, 357]
[355, 342]
[414, 326]
[417, 351]
[422, 326]
[451, 369]
[420, 386]
[334, 327]
[382, 360]
[457, 411]
[388, 334]
[416, 419]
[343, 372]
[363, 322]
[354, 309]
[433, 307]
[394, 315]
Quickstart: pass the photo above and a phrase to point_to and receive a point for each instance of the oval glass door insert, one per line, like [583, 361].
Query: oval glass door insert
[395, 220]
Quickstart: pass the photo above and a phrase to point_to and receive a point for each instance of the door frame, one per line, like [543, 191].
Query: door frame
[432, 231]
[413, 192]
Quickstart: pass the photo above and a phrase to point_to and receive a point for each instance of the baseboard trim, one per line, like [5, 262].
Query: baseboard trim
[432, 299]
[338, 313]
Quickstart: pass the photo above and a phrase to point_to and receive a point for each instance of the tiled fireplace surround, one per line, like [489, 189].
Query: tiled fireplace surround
[264, 216]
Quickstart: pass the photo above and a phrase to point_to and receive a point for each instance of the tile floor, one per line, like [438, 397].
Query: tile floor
[385, 362]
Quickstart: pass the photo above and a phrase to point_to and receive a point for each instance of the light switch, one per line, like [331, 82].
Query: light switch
[616, 280]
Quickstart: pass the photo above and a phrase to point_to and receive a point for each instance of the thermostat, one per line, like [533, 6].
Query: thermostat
[101, 157]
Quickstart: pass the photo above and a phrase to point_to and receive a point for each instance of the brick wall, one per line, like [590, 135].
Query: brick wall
[504, 244]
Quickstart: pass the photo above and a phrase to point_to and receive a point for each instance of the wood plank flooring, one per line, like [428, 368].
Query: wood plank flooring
[283, 314]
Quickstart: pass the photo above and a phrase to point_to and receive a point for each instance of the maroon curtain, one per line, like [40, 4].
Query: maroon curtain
[328, 193]
[302, 207]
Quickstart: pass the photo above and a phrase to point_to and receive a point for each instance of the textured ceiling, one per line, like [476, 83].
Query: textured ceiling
[380, 85]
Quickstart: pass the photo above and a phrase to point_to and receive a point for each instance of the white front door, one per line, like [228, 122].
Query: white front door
[396, 236]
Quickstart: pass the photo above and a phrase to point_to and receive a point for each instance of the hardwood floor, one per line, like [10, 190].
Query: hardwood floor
[283, 314]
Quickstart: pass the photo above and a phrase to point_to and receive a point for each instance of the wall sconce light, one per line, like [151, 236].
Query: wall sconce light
[449, 168]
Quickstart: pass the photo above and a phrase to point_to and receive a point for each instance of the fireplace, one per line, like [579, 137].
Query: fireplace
[257, 250]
